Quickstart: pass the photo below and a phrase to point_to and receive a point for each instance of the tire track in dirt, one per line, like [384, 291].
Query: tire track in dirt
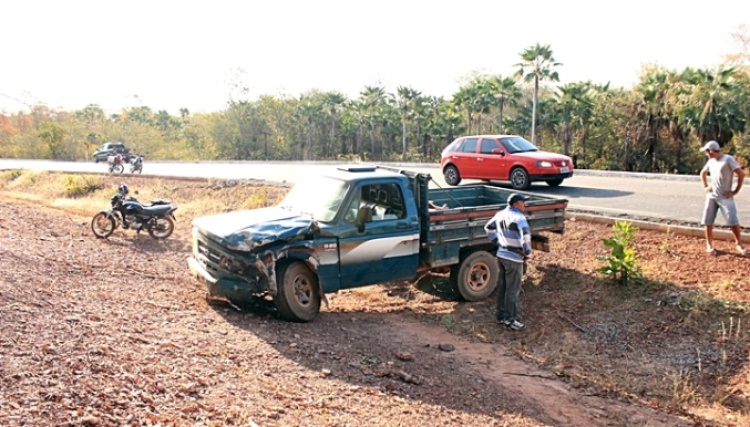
[539, 391]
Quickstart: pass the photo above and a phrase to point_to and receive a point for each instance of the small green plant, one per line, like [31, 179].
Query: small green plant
[447, 319]
[622, 262]
[77, 186]
[258, 199]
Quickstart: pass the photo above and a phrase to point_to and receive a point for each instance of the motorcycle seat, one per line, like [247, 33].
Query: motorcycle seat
[157, 210]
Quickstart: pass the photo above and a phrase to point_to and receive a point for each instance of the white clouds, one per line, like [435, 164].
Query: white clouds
[184, 54]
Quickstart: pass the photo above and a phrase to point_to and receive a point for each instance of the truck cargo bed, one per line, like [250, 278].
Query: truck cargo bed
[445, 233]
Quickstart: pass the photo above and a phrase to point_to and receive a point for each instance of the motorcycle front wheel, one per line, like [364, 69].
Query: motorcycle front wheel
[161, 227]
[118, 168]
[102, 225]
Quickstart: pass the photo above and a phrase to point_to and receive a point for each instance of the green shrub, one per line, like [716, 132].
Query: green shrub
[78, 186]
[11, 174]
[622, 261]
[258, 199]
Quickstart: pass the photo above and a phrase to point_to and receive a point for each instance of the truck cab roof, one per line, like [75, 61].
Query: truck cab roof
[353, 173]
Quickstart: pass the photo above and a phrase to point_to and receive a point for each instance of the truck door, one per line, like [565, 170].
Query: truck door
[388, 247]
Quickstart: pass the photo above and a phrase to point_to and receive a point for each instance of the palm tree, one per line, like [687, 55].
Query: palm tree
[445, 123]
[309, 110]
[715, 109]
[334, 102]
[655, 92]
[358, 109]
[538, 65]
[373, 98]
[576, 106]
[475, 98]
[424, 111]
[405, 98]
[463, 99]
[505, 92]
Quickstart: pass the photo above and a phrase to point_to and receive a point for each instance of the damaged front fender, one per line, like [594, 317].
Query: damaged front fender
[257, 235]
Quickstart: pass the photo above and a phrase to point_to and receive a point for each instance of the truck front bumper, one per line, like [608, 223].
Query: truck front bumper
[237, 291]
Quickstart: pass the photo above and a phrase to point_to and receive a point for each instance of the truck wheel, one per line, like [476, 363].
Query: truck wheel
[452, 177]
[476, 277]
[297, 299]
[519, 179]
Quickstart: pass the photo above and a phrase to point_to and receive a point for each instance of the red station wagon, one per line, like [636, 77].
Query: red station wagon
[503, 158]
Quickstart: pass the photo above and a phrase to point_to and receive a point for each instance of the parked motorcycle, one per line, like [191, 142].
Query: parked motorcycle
[136, 164]
[157, 217]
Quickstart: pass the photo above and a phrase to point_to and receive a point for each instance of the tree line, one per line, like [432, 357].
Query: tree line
[655, 126]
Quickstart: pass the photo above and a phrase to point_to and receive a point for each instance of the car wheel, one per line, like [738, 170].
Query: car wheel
[451, 175]
[554, 182]
[519, 179]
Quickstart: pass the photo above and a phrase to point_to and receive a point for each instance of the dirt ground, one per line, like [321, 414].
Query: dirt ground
[116, 332]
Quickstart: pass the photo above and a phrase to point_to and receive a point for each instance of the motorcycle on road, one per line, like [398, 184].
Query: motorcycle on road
[136, 164]
[157, 218]
[115, 164]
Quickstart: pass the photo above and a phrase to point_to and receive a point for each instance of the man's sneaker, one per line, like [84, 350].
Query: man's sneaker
[514, 325]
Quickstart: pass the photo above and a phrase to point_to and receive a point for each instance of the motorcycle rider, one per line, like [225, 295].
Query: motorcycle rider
[114, 160]
[137, 163]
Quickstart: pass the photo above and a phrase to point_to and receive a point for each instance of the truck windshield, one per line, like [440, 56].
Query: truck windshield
[319, 197]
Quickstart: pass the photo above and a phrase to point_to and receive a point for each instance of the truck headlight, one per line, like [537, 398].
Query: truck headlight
[195, 241]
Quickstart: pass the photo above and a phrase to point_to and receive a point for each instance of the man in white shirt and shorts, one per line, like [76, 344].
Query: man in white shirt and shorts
[717, 177]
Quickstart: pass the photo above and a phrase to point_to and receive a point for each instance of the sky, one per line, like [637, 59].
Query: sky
[199, 55]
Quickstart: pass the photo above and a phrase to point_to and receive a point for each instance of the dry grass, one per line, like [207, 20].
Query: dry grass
[679, 341]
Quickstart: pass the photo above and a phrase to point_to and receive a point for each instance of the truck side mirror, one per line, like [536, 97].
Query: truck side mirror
[364, 215]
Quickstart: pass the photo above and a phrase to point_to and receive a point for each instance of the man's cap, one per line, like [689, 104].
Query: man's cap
[711, 145]
[515, 197]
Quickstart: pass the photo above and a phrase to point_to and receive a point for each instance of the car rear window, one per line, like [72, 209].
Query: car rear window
[469, 145]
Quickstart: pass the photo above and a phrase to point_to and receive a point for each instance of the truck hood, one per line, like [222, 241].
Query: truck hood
[249, 229]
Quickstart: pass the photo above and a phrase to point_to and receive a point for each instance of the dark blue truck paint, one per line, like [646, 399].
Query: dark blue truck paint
[376, 228]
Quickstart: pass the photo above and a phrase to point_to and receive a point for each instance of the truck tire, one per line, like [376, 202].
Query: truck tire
[476, 277]
[298, 299]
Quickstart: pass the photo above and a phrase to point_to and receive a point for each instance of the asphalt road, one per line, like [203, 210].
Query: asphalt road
[653, 197]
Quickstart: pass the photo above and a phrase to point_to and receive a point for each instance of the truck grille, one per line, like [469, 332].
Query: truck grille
[216, 260]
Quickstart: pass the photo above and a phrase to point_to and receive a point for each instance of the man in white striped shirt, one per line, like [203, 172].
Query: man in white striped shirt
[510, 230]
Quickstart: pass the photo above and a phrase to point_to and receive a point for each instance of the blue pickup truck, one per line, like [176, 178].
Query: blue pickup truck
[356, 226]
